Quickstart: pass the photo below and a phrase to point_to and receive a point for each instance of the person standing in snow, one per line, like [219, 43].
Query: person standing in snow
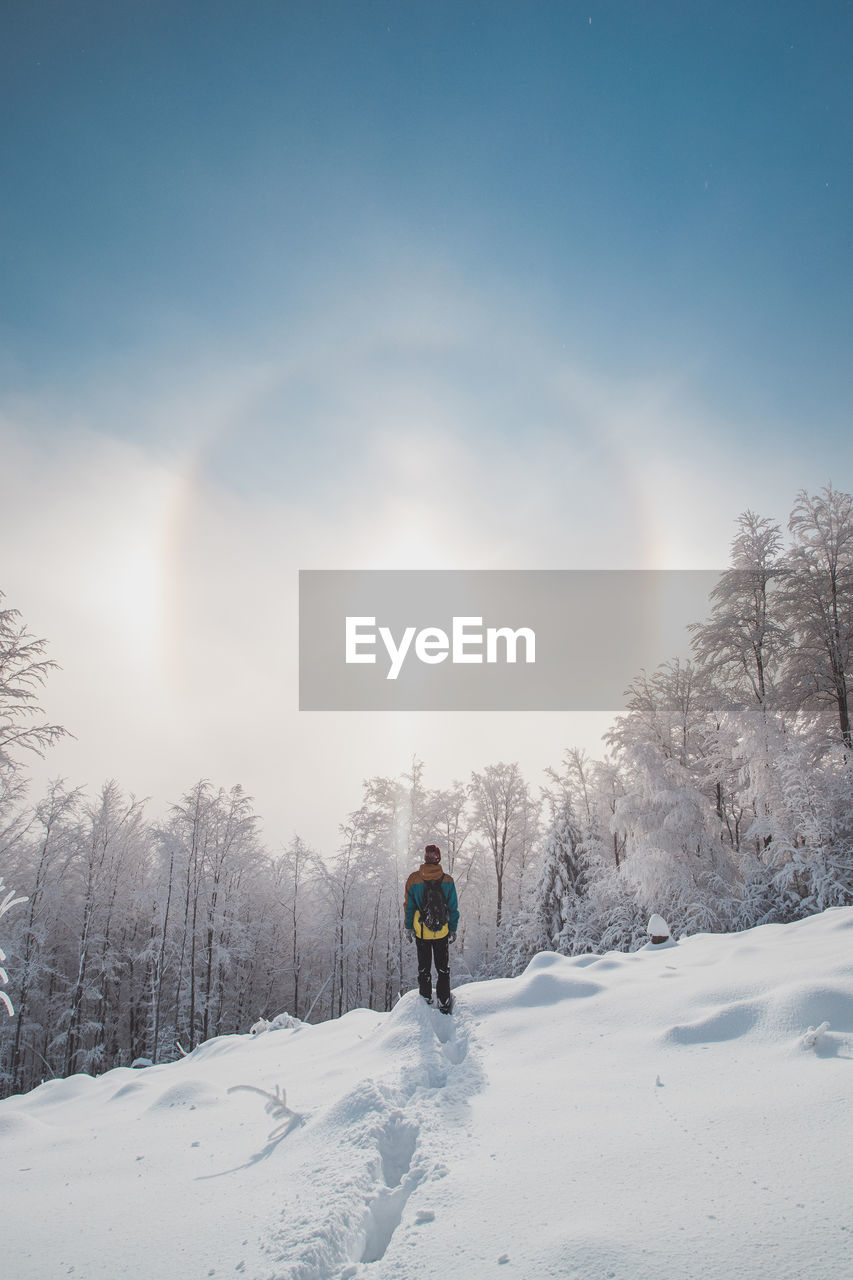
[431, 912]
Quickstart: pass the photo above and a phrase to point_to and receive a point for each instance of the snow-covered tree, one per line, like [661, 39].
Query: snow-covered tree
[296, 872]
[563, 872]
[743, 641]
[50, 851]
[115, 841]
[23, 731]
[502, 815]
[23, 671]
[8, 899]
[818, 603]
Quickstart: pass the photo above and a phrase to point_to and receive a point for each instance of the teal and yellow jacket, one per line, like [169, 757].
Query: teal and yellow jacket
[414, 898]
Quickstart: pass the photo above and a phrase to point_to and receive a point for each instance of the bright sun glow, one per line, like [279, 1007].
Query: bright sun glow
[135, 593]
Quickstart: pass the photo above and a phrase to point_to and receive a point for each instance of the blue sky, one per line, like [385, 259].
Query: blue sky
[658, 183]
[437, 285]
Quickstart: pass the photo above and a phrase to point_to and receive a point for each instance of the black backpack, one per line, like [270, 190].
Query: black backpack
[434, 910]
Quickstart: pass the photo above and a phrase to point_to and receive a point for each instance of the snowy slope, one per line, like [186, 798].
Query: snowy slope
[626, 1116]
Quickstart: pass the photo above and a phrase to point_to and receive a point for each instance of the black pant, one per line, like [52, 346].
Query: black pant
[437, 949]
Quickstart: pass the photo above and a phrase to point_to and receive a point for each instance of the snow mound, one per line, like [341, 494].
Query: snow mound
[21, 1126]
[53, 1092]
[187, 1093]
[728, 1023]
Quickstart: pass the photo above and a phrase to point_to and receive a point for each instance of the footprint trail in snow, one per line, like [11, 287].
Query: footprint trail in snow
[374, 1189]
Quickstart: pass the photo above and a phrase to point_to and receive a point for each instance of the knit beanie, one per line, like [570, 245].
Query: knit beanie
[432, 853]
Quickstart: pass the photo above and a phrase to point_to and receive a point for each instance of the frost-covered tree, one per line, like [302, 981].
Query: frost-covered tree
[23, 671]
[230, 850]
[350, 883]
[296, 873]
[818, 604]
[449, 821]
[741, 644]
[502, 815]
[666, 710]
[563, 874]
[8, 899]
[595, 787]
[802, 860]
[668, 816]
[114, 842]
[742, 648]
[50, 851]
[538, 923]
[678, 863]
[211, 919]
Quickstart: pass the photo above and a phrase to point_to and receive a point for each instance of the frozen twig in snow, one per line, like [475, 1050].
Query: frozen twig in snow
[813, 1037]
[276, 1107]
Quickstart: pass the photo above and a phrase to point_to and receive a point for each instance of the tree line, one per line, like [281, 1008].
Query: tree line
[724, 800]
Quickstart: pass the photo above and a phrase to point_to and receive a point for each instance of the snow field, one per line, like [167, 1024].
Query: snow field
[598, 1118]
[704, 1145]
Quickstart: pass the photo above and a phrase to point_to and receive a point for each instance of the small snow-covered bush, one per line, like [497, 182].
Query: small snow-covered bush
[281, 1022]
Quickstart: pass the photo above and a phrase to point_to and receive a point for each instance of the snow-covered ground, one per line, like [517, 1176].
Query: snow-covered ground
[665, 1113]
